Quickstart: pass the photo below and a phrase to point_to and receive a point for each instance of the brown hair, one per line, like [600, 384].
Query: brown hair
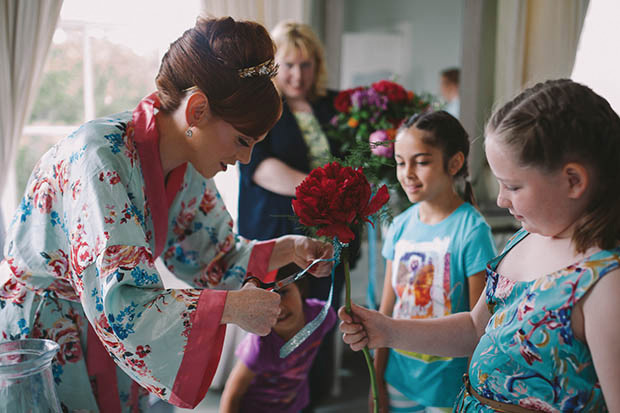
[302, 284]
[209, 56]
[560, 121]
[446, 133]
[452, 75]
[288, 35]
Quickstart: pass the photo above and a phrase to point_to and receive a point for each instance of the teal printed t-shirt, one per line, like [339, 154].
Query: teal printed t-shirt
[430, 266]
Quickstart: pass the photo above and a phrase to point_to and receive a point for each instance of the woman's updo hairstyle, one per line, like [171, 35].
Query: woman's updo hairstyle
[209, 56]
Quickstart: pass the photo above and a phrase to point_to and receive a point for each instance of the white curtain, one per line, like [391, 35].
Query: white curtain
[26, 30]
[598, 60]
[266, 12]
[536, 40]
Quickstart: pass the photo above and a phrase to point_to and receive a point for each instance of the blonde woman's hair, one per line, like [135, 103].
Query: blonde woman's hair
[288, 35]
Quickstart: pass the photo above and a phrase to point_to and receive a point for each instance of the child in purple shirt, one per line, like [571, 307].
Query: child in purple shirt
[262, 381]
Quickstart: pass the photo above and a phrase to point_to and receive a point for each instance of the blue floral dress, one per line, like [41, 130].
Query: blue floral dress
[529, 355]
[80, 256]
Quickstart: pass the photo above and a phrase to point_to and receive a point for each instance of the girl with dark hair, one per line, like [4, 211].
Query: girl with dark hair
[262, 381]
[121, 191]
[544, 336]
[436, 252]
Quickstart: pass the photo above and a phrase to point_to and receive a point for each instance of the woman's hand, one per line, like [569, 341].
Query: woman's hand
[253, 309]
[302, 251]
[307, 250]
[364, 328]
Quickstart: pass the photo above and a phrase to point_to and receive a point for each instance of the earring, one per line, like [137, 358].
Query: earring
[189, 132]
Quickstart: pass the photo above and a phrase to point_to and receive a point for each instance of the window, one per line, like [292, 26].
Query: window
[596, 64]
[103, 59]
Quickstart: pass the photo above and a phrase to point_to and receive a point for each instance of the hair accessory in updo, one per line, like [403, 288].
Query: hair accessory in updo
[267, 68]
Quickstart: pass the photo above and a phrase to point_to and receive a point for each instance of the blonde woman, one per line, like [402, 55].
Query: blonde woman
[294, 146]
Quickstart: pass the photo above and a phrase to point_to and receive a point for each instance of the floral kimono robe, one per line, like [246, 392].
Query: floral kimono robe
[80, 260]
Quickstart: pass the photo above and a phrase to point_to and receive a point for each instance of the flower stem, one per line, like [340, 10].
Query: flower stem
[365, 350]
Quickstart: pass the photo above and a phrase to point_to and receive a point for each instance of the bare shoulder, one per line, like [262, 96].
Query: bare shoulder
[602, 299]
[601, 309]
[536, 256]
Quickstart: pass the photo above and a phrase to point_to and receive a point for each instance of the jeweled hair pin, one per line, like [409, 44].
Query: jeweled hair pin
[267, 68]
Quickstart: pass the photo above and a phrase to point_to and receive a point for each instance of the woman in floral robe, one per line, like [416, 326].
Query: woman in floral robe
[119, 192]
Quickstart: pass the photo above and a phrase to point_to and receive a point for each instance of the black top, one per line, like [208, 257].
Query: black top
[264, 214]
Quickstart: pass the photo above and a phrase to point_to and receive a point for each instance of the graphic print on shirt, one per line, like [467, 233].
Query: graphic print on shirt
[421, 282]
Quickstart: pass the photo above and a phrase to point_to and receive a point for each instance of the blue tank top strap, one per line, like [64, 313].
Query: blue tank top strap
[514, 240]
[599, 265]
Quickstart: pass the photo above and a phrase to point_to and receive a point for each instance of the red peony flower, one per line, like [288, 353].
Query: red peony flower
[333, 198]
[394, 91]
[342, 101]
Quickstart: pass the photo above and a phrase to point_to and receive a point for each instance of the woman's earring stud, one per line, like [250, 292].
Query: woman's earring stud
[189, 132]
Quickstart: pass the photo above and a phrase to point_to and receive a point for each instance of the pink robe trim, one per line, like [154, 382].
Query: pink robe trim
[159, 195]
[258, 265]
[101, 366]
[146, 138]
[202, 351]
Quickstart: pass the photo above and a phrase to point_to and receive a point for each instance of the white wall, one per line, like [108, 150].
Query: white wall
[414, 39]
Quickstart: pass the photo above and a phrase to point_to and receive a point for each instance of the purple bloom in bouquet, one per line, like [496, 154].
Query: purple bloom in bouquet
[381, 143]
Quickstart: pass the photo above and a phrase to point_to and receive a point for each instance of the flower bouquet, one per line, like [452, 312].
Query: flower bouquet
[333, 200]
[366, 125]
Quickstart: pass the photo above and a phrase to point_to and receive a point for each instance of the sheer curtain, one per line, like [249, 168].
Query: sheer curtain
[26, 30]
[266, 12]
[596, 64]
[536, 41]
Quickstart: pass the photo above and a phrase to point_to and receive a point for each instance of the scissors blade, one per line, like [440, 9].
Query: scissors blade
[288, 280]
[295, 277]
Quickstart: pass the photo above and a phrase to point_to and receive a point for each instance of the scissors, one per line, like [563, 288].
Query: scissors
[277, 286]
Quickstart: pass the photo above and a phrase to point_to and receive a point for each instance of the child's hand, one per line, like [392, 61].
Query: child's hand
[253, 309]
[364, 328]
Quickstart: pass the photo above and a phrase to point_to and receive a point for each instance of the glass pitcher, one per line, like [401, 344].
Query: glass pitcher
[26, 382]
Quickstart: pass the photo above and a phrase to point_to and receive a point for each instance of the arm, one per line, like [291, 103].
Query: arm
[476, 284]
[251, 308]
[255, 310]
[479, 248]
[388, 298]
[430, 336]
[123, 298]
[276, 176]
[600, 307]
[236, 386]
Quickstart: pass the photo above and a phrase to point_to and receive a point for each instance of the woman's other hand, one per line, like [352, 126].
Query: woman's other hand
[302, 251]
[253, 309]
[363, 328]
[306, 250]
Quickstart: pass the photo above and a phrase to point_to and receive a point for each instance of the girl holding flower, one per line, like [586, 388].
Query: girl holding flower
[543, 337]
